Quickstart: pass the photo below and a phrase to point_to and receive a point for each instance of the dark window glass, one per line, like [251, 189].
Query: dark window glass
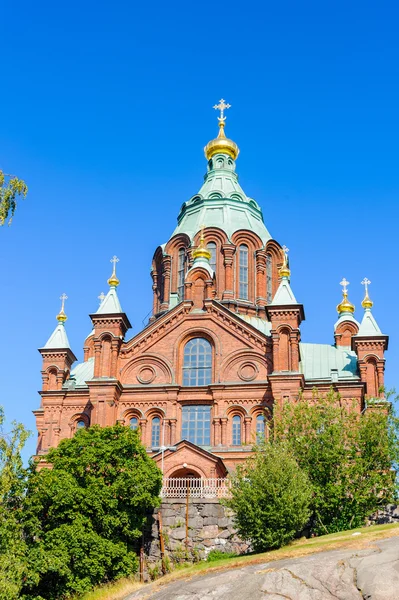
[212, 249]
[181, 273]
[155, 432]
[197, 363]
[236, 430]
[243, 272]
[196, 426]
[80, 424]
[269, 290]
[260, 428]
[134, 423]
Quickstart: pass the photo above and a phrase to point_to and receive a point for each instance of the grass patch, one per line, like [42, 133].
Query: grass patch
[355, 538]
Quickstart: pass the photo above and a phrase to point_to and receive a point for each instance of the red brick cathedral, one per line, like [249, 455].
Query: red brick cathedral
[222, 347]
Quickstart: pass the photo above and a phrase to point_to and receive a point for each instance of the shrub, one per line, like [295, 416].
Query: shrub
[270, 497]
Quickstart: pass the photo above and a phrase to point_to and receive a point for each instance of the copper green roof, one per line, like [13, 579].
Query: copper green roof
[80, 374]
[369, 325]
[58, 339]
[322, 361]
[221, 202]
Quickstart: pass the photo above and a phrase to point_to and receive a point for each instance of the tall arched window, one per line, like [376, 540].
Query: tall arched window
[236, 437]
[269, 279]
[260, 428]
[197, 363]
[212, 249]
[181, 264]
[133, 423]
[155, 432]
[243, 272]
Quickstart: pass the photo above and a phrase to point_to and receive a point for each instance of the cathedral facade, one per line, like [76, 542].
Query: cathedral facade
[221, 349]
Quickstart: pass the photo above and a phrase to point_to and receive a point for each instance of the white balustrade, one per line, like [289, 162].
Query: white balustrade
[181, 487]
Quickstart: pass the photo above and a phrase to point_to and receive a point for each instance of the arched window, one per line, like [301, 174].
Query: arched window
[243, 272]
[155, 432]
[181, 267]
[197, 363]
[80, 424]
[212, 249]
[133, 423]
[236, 437]
[269, 279]
[260, 428]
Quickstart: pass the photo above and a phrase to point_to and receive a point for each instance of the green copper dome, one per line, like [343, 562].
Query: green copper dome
[221, 202]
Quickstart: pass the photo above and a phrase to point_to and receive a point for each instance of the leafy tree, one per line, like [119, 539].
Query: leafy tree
[11, 188]
[270, 496]
[84, 517]
[12, 484]
[348, 457]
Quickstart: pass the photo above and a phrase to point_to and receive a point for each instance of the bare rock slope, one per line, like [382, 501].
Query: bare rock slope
[370, 574]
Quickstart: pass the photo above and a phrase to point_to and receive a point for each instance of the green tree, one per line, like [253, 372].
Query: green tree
[84, 518]
[348, 457]
[11, 188]
[12, 487]
[270, 497]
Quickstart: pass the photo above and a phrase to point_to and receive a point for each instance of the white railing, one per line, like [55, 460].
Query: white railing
[181, 487]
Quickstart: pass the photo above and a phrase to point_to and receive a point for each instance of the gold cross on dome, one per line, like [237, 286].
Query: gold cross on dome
[222, 106]
[63, 298]
[344, 284]
[366, 282]
[101, 297]
[285, 253]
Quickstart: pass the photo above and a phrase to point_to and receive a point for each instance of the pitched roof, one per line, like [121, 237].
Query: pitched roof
[58, 339]
[284, 294]
[110, 304]
[369, 326]
[322, 361]
[80, 374]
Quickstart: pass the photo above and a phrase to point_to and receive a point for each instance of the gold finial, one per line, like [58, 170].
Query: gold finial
[345, 305]
[202, 251]
[113, 281]
[285, 270]
[61, 317]
[221, 144]
[367, 303]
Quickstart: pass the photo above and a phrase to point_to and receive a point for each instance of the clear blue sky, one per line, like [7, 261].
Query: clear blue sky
[105, 109]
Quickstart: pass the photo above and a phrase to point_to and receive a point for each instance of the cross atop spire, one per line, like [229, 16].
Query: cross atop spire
[366, 282]
[344, 284]
[101, 297]
[367, 303]
[222, 106]
[61, 317]
[113, 281]
[284, 270]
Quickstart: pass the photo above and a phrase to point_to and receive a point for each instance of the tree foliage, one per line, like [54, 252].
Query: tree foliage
[84, 518]
[347, 456]
[12, 485]
[270, 497]
[11, 188]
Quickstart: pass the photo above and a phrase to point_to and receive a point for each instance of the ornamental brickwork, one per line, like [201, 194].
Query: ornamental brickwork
[222, 348]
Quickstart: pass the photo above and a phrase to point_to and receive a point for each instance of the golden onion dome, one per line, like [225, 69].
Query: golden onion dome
[284, 269]
[367, 302]
[202, 251]
[113, 281]
[61, 317]
[345, 305]
[221, 145]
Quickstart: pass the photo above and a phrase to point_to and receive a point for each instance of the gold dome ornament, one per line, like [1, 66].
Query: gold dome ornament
[367, 302]
[345, 306]
[113, 281]
[202, 251]
[221, 144]
[285, 270]
[61, 317]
